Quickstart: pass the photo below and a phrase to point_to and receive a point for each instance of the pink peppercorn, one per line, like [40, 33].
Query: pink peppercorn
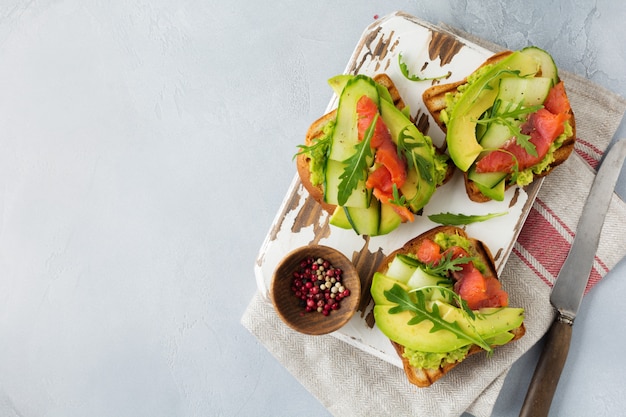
[317, 285]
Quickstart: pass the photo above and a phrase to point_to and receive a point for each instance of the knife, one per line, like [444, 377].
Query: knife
[570, 285]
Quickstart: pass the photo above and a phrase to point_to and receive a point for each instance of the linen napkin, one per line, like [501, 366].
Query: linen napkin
[371, 386]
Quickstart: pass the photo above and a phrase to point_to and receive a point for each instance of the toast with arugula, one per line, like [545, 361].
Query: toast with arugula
[438, 300]
[508, 123]
[366, 162]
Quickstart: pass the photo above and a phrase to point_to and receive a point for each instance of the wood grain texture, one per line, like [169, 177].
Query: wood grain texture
[548, 371]
[288, 305]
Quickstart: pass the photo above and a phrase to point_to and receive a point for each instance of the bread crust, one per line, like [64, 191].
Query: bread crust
[303, 161]
[315, 131]
[435, 101]
[422, 377]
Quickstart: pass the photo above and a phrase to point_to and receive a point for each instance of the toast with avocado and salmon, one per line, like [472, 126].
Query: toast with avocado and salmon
[508, 123]
[366, 162]
[438, 299]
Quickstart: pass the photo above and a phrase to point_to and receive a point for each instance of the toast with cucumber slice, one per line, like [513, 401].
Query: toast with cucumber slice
[366, 162]
[438, 300]
[508, 123]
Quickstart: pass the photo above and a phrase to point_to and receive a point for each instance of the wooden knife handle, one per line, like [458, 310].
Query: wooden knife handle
[548, 371]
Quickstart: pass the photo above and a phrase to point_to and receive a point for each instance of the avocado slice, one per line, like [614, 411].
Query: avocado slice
[488, 323]
[382, 283]
[339, 218]
[420, 336]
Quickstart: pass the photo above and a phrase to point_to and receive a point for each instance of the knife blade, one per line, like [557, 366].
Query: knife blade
[568, 290]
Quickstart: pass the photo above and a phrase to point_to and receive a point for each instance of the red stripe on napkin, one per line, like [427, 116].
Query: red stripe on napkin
[589, 152]
[545, 241]
[544, 246]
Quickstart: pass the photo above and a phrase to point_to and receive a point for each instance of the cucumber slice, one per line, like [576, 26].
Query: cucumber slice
[389, 219]
[365, 221]
[486, 179]
[513, 92]
[421, 278]
[345, 135]
[546, 63]
[400, 270]
[360, 196]
[527, 91]
[494, 137]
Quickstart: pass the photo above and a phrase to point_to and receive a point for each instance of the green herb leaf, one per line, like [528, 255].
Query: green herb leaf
[406, 146]
[397, 199]
[404, 69]
[356, 165]
[451, 295]
[447, 264]
[322, 144]
[421, 313]
[512, 117]
[497, 75]
[460, 219]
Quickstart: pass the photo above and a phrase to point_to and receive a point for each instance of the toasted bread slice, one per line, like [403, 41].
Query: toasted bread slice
[303, 161]
[423, 377]
[316, 130]
[435, 101]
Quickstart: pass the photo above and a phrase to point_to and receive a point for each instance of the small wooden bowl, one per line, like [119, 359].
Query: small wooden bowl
[289, 307]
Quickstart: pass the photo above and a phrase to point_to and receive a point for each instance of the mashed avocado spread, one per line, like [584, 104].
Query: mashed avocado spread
[446, 241]
[432, 360]
[318, 152]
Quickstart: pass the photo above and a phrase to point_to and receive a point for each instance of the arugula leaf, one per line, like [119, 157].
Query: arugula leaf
[452, 295]
[487, 85]
[322, 144]
[447, 264]
[404, 69]
[421, 313]
[356, 165]
[406, 145]
[510, 117]
[397, 199]
[442, 268]
[460, 219]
